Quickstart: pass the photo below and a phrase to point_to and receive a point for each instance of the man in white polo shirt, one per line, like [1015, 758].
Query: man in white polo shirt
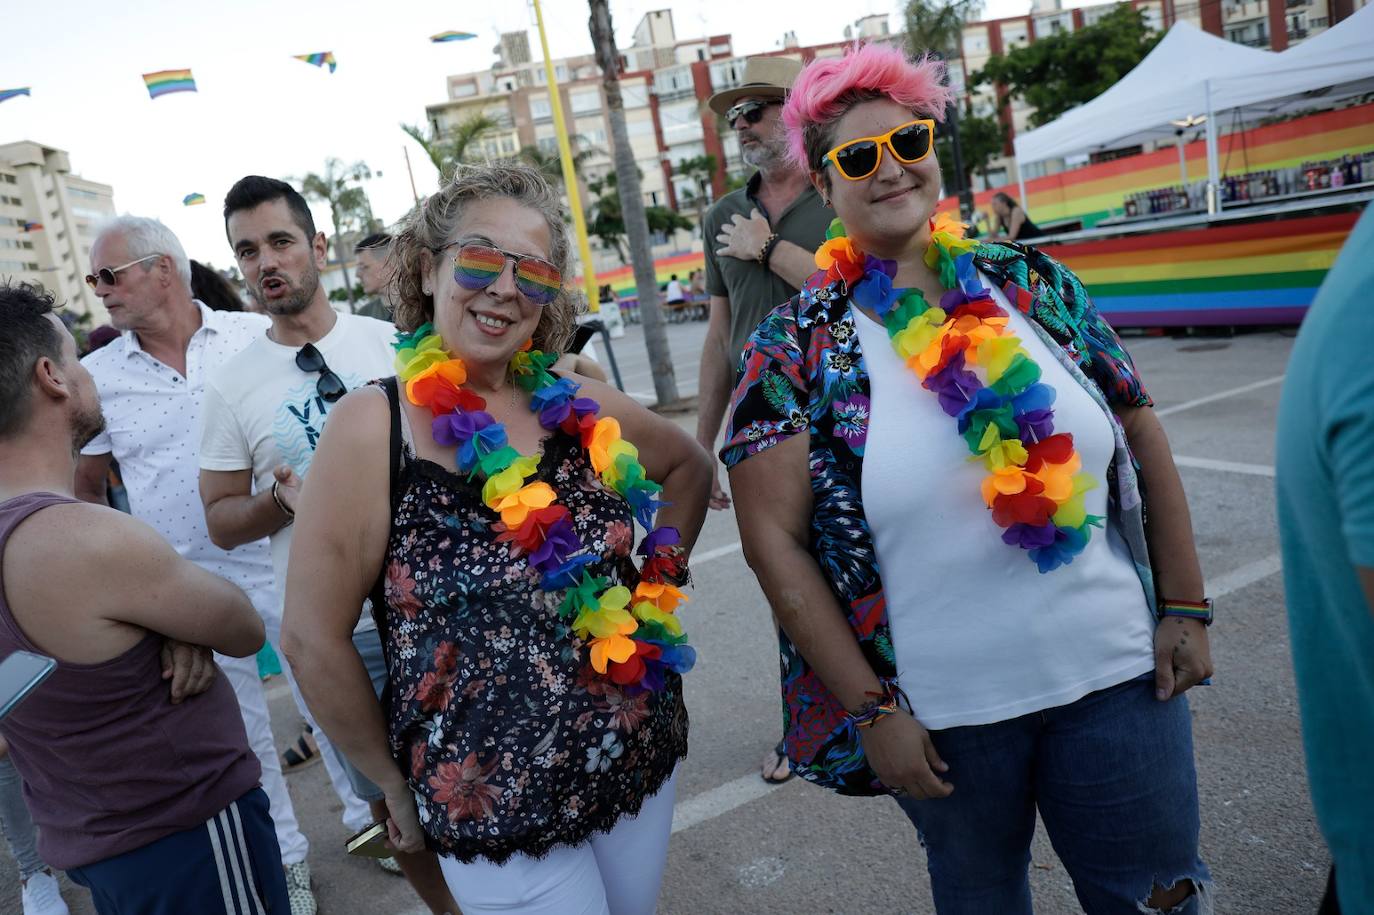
[151, 382]
[266, 408]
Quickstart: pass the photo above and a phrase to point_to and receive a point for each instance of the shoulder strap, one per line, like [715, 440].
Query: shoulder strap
[378, 594]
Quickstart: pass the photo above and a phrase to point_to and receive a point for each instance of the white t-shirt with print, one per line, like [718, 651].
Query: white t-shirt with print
[979, 634]
[261, 411]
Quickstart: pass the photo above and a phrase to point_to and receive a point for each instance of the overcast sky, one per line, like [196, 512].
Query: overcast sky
[258, 111]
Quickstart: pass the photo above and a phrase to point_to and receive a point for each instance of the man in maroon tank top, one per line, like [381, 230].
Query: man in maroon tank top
[150, 802]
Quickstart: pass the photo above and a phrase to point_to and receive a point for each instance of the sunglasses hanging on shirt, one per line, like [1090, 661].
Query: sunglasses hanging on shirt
[329, 386]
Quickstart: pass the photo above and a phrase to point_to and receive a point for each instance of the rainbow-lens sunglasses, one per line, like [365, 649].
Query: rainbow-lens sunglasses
[476, 266]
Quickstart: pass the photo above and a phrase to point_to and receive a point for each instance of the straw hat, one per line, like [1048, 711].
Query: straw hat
[766, 77]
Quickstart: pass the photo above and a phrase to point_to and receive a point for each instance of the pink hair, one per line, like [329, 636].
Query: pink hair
[818, 96]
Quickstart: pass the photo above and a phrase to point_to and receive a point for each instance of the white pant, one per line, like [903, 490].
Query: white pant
[242, 674]
[356, 813]
[614, 873]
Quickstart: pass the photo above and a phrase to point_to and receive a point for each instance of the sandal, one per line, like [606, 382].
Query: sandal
[780, 751]
[302, 754]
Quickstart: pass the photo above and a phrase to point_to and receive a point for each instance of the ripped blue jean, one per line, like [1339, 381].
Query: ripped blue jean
[1113, 778]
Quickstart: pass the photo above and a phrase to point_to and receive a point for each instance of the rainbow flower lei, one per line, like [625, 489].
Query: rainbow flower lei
[633, 638]
[1034, 486]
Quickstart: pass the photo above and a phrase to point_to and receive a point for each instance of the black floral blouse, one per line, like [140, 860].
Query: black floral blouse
[507, 744]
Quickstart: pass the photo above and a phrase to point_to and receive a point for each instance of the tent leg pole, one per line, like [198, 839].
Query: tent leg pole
[1213, 165]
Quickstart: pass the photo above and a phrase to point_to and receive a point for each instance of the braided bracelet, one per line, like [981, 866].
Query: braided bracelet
[887, 702]
[767, 250]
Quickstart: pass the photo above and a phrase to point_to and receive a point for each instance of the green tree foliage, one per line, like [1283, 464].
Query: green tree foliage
[550, 164]
[980, 138]
[1063, 71]
[453, 148]
[700, 170]
[937, 28]
[349, 208]
[606, 223]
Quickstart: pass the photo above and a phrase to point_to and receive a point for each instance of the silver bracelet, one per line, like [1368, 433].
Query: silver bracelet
[276, 497]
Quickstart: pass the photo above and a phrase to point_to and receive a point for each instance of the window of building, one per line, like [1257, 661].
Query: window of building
[976, 45]
[548, 145]
[9, 179]
[83, 193]
[635, 96]
[584, 101]
[539, 107]
[726, 74]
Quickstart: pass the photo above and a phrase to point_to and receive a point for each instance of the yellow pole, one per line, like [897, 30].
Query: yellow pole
[584, 248]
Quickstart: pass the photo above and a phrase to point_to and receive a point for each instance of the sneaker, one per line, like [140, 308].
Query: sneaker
[42, 896]
[298, 892]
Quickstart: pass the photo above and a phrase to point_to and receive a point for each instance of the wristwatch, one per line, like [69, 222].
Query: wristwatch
[1202, 612]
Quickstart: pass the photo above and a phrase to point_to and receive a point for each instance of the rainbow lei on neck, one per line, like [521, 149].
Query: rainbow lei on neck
[633, 638]
[1034, 486]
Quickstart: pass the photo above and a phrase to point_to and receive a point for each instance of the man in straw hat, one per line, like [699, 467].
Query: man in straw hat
[759, 241]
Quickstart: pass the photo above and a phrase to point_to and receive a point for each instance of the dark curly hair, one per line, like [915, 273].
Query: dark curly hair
[26, 335]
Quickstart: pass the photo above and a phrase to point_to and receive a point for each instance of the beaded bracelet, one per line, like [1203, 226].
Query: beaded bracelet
[887, 702]
[766, 251]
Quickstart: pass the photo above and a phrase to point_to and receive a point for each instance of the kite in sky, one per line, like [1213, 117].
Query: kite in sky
[451, 36]
[320, 59]
[7, 94]
[192, 200]
[164, 82]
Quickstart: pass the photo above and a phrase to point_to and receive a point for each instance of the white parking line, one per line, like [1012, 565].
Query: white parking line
[1245, 576]
[1219, 395]
[1258, 470]
[718, 552]
[719, 800]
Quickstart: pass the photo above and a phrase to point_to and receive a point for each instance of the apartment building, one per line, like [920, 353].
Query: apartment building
[48, 220]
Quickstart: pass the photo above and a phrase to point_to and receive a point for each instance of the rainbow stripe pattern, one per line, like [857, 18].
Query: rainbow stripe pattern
[1096, 192]
[165, 82]
[7, 94]
[963, 352]
[193, 200]
[451, 36]
[319, 59]
[1263, 272]
[633, 638]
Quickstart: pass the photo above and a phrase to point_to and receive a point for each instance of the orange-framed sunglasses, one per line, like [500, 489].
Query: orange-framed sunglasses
[908, 143]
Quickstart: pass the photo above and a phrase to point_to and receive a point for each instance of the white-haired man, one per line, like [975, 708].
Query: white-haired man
[151, 383]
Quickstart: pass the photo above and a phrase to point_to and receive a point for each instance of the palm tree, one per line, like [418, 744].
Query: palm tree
[632, 205]
[550, 164]
[348, 204]
[449, 150]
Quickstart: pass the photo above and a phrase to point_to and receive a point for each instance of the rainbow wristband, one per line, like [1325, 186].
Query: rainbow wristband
[1202, 612]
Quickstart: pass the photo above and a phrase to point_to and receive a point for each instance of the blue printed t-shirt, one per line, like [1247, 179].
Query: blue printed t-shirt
[1326, 524]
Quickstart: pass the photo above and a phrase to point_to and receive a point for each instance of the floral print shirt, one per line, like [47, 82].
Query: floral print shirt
[508, 745]
[803, 370]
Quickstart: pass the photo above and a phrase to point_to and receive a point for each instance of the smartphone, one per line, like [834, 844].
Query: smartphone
[370, 842]
[20, 673]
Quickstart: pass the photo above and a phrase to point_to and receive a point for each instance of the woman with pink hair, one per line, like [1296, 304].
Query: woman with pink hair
[938, 451]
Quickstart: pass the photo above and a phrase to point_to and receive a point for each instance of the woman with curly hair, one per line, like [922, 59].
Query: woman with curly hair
[931, 454]
[486, 503]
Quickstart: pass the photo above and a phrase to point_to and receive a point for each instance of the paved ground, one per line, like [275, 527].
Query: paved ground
[741, 847]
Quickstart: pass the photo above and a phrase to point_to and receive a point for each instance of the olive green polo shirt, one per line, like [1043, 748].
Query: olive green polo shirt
[754, 290]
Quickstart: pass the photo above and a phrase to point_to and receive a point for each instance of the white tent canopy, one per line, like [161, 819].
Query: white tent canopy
[1169, 84]
[1340, 60]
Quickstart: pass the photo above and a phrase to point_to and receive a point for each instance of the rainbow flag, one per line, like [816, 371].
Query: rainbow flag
[164, 82]
[319, 59]
[193, 200]
[451, 36]
[7, 94]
